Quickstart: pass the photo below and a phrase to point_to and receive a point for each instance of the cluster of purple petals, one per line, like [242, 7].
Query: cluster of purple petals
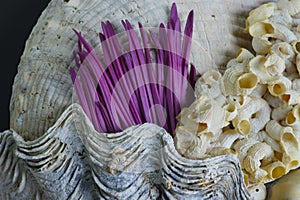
[121, 92]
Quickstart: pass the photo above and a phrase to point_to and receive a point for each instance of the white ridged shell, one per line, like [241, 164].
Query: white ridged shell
[73, 161]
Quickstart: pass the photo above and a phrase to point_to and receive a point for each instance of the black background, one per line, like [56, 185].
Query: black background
[17, 19]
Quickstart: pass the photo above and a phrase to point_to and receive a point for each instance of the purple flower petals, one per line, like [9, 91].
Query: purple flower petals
[127, 89]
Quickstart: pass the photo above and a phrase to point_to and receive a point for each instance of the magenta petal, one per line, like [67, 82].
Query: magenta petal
[189, 24]
[107, 88]
[173, 15]
[73, 74]
[83, 41]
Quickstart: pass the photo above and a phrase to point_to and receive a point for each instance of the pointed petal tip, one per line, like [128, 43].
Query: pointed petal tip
[191, 14]
[174, 7]
[76, 32]
[189, 24]
[124, 24]
[128, 24]
[102, 37]
[103, 26]
[73, 74]
[140, 25]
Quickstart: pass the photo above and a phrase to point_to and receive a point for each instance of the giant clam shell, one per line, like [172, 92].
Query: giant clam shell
[42, 89]
[52, 150]
[73, 161]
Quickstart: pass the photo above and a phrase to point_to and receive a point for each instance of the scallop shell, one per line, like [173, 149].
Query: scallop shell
[42, 89]
[73, 161]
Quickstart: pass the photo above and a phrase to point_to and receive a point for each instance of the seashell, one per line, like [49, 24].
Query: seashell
[230, 111]
[260, 152]
[285, 188]
[209, 84]
[238, 64]
[238, 101]
[197, 126]
[261, 45]
[291, 70]
[218, 151]
[243, 56]
[73, 161]
[280, 86]
[236, 82]
[274, 64]
[43, 73]
[279, 113]
[281, 17]
[273, 101]
[268, 69]
[272, 30]
[191, 145]
[283, 49]
[257, 66]
[242, 125]
[198, 116]
[228, 137]
[245, 123]
[275, 170]
[296, 111]
[270, 141]
[296, 85]
[259, 91]
[242, 146]
[257, 136]
[296, 46]
[291, 160]
[290, 6]
[298, 62]
[259, 176]
[276, 131]
[290, 144]
[292, 118]
[291, 97]
[260, 13]
[203, 115]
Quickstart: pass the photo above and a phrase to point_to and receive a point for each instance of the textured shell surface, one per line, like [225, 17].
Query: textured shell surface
[52, 150]
[42, 89]
[73, 161]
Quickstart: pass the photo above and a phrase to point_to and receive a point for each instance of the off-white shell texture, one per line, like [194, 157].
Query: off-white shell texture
[53, 152]
[73, 161]
[42, 89]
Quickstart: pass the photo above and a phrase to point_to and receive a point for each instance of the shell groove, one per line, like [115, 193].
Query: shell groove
[73, 161]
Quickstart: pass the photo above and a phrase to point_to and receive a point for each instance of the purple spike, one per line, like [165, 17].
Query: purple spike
[110, 28]
[102, 37]
[73, 74]
[192, 76]
[173, 15]
[147, 84]
[83, 41]
[189, 24]
[76, 60]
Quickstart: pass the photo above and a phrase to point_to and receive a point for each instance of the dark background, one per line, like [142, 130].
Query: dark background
[17, 19]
